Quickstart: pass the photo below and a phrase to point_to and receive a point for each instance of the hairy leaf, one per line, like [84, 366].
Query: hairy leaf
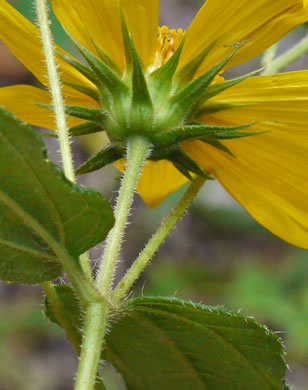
[166, 343]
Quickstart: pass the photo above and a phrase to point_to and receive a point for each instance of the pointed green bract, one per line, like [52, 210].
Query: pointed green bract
[106, 59]
[86, 128]
[108, 155]
[191, 94]
[188, 132]
[89, 91]
[161, 79]
[180, 159]
[218, 145]
[106, 75]
[210, 107]
[165, 106]
[127, 45]
[217, 88]
[83, 69]
[187, 73]
[40, 210]
[141, 114]
[87, 113]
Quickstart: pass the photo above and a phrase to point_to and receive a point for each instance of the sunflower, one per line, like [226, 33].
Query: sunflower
[193, 130]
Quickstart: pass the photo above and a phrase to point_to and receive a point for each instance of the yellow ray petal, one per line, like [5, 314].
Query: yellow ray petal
[23, 39]
[96, 19]
[157, 181]
[282, 98]
[261, 22]
[268, 177]
[21, 100]
[142, 20]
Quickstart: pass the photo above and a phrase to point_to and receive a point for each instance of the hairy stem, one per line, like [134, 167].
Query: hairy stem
[58, 103]
[287, 58]
[269, 55]
[137, 151]
[55, 88]
[61, 315]
[156, 241]
[94, 332]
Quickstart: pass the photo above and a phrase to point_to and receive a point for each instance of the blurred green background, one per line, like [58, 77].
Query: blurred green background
[217, 255]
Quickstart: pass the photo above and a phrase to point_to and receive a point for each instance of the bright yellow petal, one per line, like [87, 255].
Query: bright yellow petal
[96, 19]
[157, 181]
[142, 20]
[23, 39]
[261, 22]
[21, 100]
[282, 98]
[268, 176]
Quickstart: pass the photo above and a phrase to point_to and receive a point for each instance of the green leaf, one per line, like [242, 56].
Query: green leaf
[172, 344]
[166, 343]
[40, 209]
[70, 305]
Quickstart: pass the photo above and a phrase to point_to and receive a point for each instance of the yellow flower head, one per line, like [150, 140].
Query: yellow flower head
[166, 85]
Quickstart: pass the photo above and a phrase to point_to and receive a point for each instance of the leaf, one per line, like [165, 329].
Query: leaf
[70, 305]
[166, 343]
[172, 344]
[40, 209]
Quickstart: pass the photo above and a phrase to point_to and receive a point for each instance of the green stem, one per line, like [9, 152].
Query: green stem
[269, 55]
[55, 88]
[287, 58]
[61, 315]
[58, 104]
[94, 332]
[156, 241]
[86, 265]
[137, 151]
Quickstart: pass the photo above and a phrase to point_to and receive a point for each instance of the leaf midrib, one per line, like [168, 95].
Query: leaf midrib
[31, 251]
